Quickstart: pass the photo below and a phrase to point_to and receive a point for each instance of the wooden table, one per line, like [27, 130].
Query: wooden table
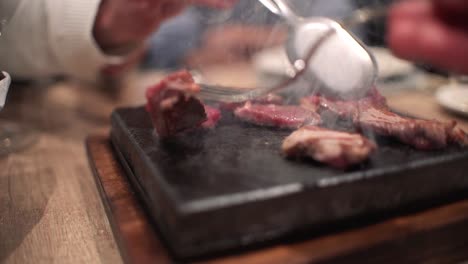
[49, 204]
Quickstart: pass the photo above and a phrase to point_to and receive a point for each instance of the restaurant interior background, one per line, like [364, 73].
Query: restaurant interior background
[202, 39]
[44, 171]
[246, 41]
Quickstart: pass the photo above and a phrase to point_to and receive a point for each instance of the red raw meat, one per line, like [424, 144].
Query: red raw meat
[372, 113]
[281, 116]
[335, 148]
[174, 108]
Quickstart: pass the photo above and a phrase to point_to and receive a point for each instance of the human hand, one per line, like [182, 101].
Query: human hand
[434, 32]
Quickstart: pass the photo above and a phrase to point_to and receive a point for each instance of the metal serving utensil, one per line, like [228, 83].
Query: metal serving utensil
[5, 81]
[343, 66]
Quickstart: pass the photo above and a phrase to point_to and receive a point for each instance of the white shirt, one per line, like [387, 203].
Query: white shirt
[52, 37]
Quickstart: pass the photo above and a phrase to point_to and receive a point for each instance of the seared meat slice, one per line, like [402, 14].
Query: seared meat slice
[335, 148]
[372, 114]
[345, 109]
[419, 133]
[281, 116]
[172, 105]
[213, 115]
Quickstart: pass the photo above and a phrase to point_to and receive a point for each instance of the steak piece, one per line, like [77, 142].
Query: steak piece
[419, 133]
[344, 109]
[173, 106]
[335, 148]
[281, 116]
[372, 114]
[213, 115]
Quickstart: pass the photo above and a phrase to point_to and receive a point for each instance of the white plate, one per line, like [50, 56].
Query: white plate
[454, 98]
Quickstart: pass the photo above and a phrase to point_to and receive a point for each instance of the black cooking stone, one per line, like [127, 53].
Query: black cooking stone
[229, 187]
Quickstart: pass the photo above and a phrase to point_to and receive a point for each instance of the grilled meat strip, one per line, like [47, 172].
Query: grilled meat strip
[281, 116]
[372, 114]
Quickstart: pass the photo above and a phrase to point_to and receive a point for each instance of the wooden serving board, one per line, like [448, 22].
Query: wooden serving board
[437, 235]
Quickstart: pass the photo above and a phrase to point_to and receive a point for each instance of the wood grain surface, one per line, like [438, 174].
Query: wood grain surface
[438, 235]
[50, 208]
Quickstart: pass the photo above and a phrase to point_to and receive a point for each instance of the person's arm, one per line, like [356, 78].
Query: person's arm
[49, 37]
[78, 37]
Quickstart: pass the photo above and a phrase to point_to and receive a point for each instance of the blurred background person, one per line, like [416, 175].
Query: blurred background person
[207, 36]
